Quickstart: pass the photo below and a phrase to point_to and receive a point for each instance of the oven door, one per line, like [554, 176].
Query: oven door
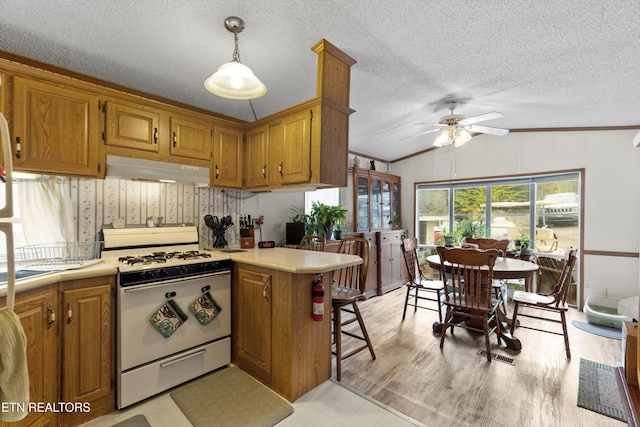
[139, 342]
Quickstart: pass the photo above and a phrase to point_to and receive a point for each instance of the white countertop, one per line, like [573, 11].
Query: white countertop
[294, 260]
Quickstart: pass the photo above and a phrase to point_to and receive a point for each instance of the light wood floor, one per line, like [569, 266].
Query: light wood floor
[457, 387]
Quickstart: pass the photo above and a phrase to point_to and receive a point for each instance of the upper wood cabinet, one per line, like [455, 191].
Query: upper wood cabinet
[132, 126]
[256, 156]
[190, 138]
[138, 129]
[227, 158]
[55, 129]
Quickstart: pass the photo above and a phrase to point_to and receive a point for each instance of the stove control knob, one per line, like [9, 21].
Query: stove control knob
[164, 272]
[205, 266]
[148, 274]
[183, 270]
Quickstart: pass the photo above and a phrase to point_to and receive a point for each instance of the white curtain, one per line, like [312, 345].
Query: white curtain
[46, 210]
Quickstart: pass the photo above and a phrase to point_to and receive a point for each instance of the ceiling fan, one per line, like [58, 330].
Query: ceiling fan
[456, 129]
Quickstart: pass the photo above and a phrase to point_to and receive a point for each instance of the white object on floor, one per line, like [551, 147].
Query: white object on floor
[629, 307]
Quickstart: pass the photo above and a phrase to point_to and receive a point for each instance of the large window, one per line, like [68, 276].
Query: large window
[502, 208]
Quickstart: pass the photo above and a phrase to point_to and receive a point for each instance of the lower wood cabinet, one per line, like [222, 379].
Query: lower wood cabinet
[70, 348]
[87, 319]
[273, 335]
[37, 310]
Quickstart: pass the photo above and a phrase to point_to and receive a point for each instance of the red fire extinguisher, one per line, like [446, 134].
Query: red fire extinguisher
[318, 299]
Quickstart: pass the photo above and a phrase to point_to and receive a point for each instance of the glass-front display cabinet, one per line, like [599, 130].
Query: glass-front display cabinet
[377, 200]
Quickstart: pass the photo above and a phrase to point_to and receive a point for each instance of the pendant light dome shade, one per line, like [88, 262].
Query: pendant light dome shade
[235, 80]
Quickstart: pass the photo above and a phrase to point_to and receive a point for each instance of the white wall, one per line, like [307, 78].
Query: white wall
[611, 189]
[276, 208]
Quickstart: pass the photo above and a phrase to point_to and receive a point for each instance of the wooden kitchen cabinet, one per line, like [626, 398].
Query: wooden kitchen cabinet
[227, 157]
[55, 129]
[136, 129]
[190, 138]
[132, 126]
[256, 156]
[290, 147]
[70, 348]
[273, 335]
[252, 320]
[37, 310]
[87, 319]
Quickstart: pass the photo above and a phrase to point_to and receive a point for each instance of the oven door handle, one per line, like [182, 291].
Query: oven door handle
[129, 289]
[182, 358]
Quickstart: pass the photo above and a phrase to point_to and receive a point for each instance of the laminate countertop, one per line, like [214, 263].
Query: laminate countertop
[100, 268]
[291, 260]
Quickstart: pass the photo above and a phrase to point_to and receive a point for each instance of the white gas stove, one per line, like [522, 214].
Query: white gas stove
[173, 311]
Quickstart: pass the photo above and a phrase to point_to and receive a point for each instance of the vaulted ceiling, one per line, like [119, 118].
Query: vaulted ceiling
[543, 64]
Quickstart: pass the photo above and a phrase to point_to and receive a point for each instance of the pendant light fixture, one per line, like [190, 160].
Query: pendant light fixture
[235, 80]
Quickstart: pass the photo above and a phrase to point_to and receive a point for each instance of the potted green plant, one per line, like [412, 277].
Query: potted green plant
[474, 229]
[337, 229]
[447, 238]
[323, 218]
[521, 242]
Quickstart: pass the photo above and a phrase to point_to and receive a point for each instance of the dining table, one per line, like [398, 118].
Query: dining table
[503, 269]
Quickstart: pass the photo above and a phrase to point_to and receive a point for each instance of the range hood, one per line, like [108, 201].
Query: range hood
[150, 170]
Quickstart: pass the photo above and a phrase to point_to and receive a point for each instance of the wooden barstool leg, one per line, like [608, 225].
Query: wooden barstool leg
[406, 302]
[566, 336]
[364, 330]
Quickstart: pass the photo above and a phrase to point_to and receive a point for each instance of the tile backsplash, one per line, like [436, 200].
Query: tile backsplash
[99, 202]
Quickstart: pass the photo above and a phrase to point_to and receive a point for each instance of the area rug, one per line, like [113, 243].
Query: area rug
[598, 391]
[135, 421]
[230, 397]
[603, 331]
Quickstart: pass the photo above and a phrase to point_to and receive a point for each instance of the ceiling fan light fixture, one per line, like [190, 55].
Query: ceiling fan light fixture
[234, 80]
[461, 137]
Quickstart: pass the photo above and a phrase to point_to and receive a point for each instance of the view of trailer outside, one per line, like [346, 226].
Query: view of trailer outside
[503, 209]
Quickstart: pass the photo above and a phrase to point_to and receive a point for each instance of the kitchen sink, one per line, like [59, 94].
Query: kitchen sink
[22, 274]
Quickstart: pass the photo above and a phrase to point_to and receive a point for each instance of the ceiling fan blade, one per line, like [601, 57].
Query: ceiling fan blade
[488, 130]
[421, 133]
[482, 117]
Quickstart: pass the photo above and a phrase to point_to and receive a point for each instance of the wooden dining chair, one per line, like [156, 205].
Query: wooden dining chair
[554, 301]
[467, 275]
[347, 289]
[502, 245]
[419, 288]
[312, 243]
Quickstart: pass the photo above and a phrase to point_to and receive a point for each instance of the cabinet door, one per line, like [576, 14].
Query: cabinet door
[190, 139]
[227, 158]
[256, 154]
[385, 204]
[395, 205]
[252, 305]
[295, 164]
[376, 203]
[132, 126]
[362, 203]
[35, 309]
[87, 343]
[371, 287]
[385, 261]
[57, 128]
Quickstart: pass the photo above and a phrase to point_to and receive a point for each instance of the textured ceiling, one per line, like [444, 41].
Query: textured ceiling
[543, 64]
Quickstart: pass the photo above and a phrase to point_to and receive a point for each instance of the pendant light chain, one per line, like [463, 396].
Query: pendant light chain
[236, 51]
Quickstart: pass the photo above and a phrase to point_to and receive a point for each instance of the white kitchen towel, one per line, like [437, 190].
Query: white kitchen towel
[14, 376]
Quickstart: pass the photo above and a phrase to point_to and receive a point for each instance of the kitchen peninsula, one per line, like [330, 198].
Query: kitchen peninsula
[274, 337]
